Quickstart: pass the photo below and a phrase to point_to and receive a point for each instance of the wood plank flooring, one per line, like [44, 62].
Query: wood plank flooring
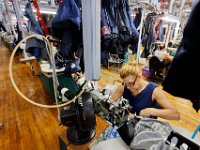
[28, 127]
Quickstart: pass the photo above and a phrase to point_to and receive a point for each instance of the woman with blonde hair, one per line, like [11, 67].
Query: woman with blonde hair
[145, 98]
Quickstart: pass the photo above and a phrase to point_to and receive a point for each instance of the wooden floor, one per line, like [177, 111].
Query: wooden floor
[28, 127]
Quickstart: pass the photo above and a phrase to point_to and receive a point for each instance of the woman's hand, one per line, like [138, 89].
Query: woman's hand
[147, 112]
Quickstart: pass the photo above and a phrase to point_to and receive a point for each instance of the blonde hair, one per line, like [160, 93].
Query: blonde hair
[128, 69]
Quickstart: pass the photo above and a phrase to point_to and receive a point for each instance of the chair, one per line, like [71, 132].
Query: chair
[156, 67]
[114, 58]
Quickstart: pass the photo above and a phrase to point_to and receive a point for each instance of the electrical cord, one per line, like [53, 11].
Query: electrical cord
[17, 89]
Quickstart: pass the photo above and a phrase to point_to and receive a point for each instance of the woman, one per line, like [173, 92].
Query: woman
[145, 99]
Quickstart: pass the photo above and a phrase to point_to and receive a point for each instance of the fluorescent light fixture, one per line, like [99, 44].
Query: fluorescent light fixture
[53, 12]
[187, 10]
[46, 12]
[170, 18]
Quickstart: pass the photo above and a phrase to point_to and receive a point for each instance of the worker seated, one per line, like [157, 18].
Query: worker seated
[145, 98]
[159, 62]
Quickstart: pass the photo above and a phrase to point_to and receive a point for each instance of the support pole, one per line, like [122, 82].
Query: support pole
[9, 18]
[140, 36]
[91, 38]
[180, 18]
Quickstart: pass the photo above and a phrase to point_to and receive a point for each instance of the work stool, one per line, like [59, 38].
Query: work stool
[156, 67]
[114, 58]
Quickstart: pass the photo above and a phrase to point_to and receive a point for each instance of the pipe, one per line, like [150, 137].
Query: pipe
[17, 89]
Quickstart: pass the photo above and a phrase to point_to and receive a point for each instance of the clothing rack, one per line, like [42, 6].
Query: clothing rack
[144, 6]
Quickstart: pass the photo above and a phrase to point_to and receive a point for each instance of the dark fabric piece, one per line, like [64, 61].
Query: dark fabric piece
[126, 131]
[67, 15]
[35, 51]
[135, 33]
[104, 58]
[138, 17]
[148, 35]
[142, 100]
[183, 77]
[19, 38]
[2, 28]
[116, 17]
[33, 45]
[156, 66]
[33, 24]
[66, 26]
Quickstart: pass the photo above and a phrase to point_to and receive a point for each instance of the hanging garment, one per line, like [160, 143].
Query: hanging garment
[135, 33]
[183, 77]
[148, 35]
[105, 31]
[34, 45]
[116, 15]
[138, 17]
[68, 15]
[33, 23]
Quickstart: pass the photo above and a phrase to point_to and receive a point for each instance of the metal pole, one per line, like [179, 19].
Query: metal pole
[171, 6]
[16, 5]
[180, 18]
[91, 38]
[140, 36]
[168, 35]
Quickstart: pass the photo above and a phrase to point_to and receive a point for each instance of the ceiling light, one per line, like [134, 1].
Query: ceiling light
[170, 18]
[52, 12]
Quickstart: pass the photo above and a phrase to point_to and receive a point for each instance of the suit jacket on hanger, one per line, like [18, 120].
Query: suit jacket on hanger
[183, 77]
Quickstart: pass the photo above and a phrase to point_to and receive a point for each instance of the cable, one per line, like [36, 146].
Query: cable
[17, 89]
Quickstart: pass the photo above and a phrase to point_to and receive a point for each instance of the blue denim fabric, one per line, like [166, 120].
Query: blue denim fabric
[66, 42]
[33, 45]
[104, 57]
[68, 15]
[72, 67]
[36, 51]
[148, 36]
[32, 21]
[138, 18]
[125, 13]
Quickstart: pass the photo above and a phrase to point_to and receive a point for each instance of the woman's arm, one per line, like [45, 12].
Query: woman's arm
[168, 110]
[168, 57]
[118, 93]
